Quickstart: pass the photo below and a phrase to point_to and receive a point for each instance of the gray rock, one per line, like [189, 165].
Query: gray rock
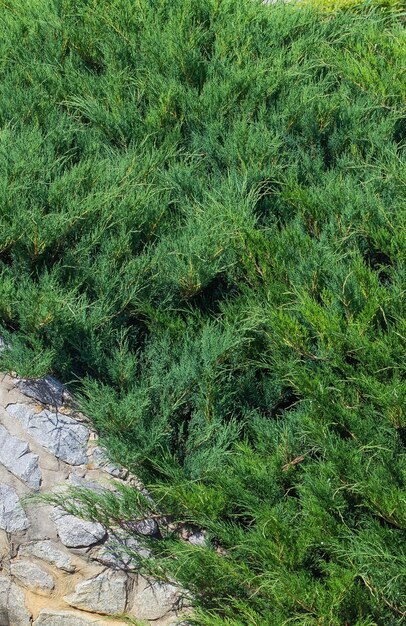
[198, 539]
[120, 552]
[82, 481]
[101, 461]
[60, 434]
[32, 576]
[15, 455]
[154, 600]
[13, 611]
[4, 547]
[50, 552]
[2, 344]
[75, 532]
[147, 527]
[12, 516]
[106, 593]
[46, 390]
[47, 617]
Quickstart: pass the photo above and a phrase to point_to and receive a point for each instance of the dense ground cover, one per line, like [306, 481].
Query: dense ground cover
[203, 230]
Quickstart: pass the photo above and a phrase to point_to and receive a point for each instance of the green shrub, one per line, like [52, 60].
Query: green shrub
[202, 230]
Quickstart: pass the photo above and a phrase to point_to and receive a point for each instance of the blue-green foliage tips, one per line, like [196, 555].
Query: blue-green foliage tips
[202, 230]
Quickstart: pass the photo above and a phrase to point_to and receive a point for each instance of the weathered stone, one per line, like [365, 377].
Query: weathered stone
[13, 611]
[75, 532]
[60, 434]
[147, 527]
[50, 552]
[32, 576]
[154, 600]
[15, 455]
[120, 552]
[46, 390]
[101, 460]
[82, 481]
[198, 539]
[47, 617]
[106, 593]
[4, 547]
[12, 516]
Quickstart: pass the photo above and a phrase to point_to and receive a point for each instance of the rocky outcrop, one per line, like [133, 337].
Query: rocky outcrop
[13, 611]
[153, 597]
[105, 593]
[32, 576]
[15, 455]
[62, 435]
[49, 552]
[49, 617]
[46, 390]
[55, 568]
[12, 515]
[75, 532]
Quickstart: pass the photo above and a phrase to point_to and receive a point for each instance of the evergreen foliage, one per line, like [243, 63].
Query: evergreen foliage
[202, 229]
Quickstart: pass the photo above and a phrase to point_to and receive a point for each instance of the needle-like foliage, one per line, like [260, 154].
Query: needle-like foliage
[202, 229]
